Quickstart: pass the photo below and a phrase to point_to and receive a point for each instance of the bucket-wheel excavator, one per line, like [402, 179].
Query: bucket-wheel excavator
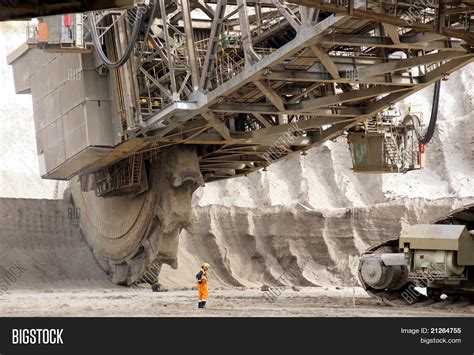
[141, 102]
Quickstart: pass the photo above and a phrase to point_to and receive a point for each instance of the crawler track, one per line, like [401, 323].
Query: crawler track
[456, 298]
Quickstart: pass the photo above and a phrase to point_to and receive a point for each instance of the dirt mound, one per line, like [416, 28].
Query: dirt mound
[292, 245]
[41, 245]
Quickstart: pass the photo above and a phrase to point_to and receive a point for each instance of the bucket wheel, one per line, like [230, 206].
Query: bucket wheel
[131, 234]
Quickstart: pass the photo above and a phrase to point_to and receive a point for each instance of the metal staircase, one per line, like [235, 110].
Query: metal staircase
[122, 178]
[392, 151]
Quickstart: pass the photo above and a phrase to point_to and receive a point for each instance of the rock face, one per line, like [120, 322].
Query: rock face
[292, 245]
[42, 246]
[283, 246]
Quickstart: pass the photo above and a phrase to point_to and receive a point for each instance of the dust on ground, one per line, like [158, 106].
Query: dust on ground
[122, 302]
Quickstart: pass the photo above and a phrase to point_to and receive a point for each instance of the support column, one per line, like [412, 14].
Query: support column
[188, 30]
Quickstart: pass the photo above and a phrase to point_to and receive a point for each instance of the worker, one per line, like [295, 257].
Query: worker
[202, 285]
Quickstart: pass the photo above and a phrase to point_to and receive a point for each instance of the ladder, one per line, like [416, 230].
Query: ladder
[391, 151]
[136, 164]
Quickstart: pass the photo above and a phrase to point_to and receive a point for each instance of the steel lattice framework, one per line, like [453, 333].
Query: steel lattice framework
[235, 76]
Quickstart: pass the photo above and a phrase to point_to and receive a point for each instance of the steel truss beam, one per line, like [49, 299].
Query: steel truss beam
[275, 75]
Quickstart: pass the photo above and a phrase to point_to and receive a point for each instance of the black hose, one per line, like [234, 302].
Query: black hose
[135, 32]
[428, 135]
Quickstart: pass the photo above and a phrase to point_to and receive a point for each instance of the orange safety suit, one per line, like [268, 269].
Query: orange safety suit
[203, 292]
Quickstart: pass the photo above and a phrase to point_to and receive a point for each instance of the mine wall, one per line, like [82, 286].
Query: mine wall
[246, 247]
[43, 248]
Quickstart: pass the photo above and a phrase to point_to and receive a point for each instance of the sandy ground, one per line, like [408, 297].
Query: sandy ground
[119, 302]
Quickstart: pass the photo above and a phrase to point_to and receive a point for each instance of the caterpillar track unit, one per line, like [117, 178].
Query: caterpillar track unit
[438, 257]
